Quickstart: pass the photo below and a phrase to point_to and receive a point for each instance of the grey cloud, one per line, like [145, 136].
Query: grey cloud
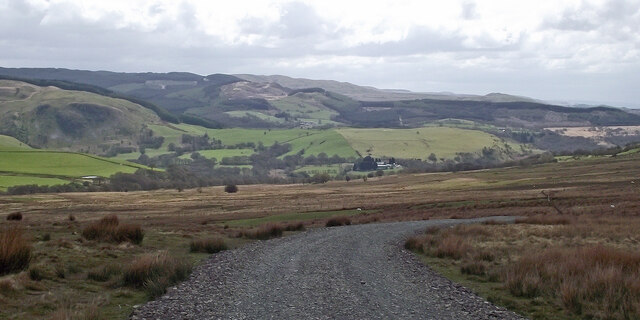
[423, 40]
[469, 10]
[297, 21]
[587, 17]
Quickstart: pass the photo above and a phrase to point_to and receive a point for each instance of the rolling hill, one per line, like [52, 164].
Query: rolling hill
[50, 117]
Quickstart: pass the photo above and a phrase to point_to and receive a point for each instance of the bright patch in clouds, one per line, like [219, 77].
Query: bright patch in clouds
[547, 49]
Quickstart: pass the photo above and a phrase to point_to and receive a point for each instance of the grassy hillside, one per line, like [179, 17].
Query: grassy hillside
[11, 143]
[312, 142]
[417, 143]
[48, 117]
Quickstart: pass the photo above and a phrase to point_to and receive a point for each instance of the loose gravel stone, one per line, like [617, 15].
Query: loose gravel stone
[351, 272]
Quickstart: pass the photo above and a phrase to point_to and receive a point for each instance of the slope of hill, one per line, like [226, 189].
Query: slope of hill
[11, 143]
[49, 117]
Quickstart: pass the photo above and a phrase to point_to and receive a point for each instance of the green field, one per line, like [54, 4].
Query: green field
[11, 143]
[8, 181]
[418, 143]
[60, 164]
[311, 141]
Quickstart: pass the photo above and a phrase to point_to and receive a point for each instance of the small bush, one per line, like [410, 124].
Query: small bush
[109, 229]
[231, 188]
[103, 273]
[15, 251]
[14, 216]
[264, 232]
[46, 237]
[36, 273]
[155, 273]
[72, 217]
[297, 226]
[338, 221]
[209, 245]
[477, 268]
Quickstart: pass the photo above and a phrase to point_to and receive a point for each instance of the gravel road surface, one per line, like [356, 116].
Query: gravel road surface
[353, 272]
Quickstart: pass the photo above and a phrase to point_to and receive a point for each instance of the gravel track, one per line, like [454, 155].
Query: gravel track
[353, 272]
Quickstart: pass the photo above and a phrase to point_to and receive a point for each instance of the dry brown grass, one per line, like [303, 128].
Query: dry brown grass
[452, 246]
[208, 245]
[590, 267]
[295, 226]
[156, 272]
[265, 231]
[15, 250]
[592, 281]
[109, 229]
[338, 221]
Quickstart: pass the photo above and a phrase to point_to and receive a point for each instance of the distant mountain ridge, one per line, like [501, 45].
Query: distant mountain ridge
[257, 101]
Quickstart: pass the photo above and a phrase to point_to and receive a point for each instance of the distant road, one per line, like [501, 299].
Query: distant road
[354, 272]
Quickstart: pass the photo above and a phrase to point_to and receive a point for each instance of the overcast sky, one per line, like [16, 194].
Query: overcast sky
[546, 49]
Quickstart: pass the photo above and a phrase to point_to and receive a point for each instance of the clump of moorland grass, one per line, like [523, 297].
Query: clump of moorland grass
[15, 251]
[14, 216]
[295, 226]
[593, 282]
[104, 273]
[109, 229]
[208, 245]
[264, 232]
[155, 273]
[338, 221]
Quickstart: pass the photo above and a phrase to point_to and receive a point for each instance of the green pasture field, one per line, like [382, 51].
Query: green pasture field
[311, 141]
[7, 181]
[418, 143]
[61, 164]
